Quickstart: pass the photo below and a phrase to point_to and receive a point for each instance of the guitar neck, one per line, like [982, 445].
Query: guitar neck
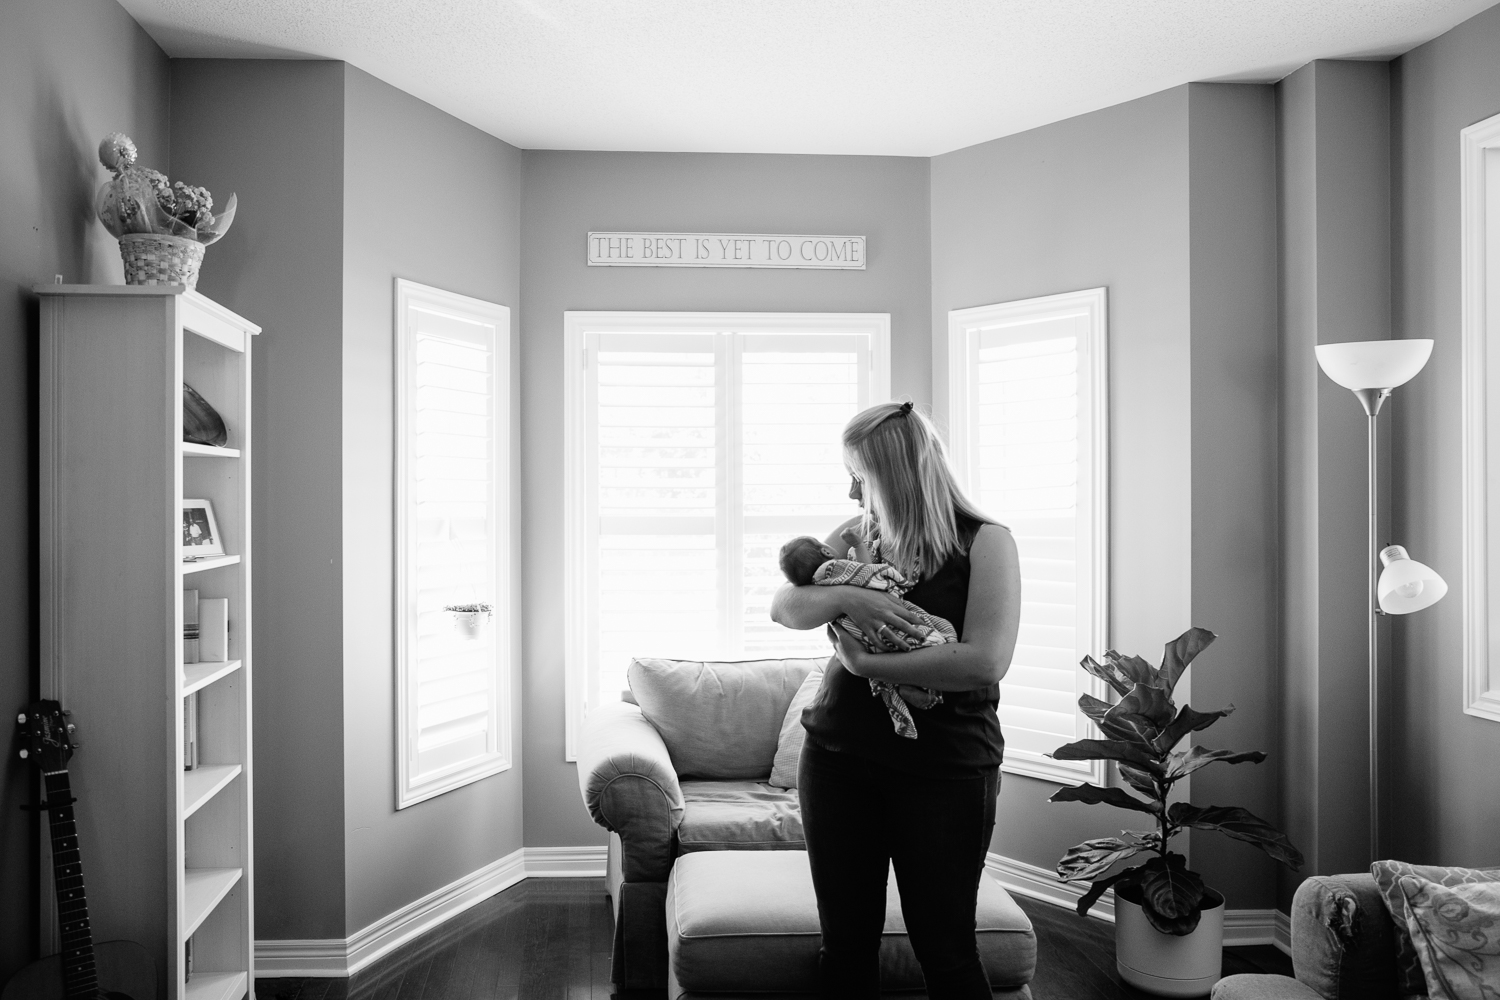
[80, 981]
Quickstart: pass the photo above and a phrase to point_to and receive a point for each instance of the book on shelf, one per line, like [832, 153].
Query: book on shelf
[190, 732]
[190, 631]
[213, 629]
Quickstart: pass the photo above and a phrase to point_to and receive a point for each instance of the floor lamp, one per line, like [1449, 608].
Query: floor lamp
[1372, 369]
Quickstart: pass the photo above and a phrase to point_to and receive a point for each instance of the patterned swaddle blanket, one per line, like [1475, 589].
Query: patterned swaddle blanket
[935, 630]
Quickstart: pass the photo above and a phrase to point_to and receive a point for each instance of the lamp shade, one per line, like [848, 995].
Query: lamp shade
[1405, 584]
[1373, 364]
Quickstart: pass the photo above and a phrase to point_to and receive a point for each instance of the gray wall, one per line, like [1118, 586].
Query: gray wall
[71, 71]
[1235, 458]
[567, 194]
[1445, 786]
[429, 198]
[272, 131]
[1101, 199]
[1333, 161]
[1169, 201]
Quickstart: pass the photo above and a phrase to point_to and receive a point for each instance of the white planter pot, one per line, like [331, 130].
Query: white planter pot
[470, 624]
[1165, 964]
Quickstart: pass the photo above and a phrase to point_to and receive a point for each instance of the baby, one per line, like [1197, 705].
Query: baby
[807, 561]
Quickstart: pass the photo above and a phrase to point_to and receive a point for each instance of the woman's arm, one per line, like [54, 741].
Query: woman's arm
[991, 619]
[809, 607]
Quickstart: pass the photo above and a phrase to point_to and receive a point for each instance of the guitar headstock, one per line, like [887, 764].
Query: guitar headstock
[46, 735]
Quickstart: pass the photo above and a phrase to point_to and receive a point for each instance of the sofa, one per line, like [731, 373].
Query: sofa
[1343, 947]
[724, 722]
[692, 773]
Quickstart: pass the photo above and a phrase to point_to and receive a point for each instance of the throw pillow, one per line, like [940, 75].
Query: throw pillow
[1456, 930]
[793, 736]
[1412, 981]
[719, 721]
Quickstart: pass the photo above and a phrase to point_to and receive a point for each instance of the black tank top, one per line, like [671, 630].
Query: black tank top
[959, 738]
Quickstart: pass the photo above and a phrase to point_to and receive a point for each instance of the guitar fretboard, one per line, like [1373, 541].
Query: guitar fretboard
[80, 981]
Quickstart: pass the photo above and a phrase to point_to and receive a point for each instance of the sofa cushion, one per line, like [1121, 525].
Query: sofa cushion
[739, 815]
[718, 720]
[793, 735]
[1456, 930]
[1388, 874]
[747, 921]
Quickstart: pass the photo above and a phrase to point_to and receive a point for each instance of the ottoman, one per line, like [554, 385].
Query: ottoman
[745, 923]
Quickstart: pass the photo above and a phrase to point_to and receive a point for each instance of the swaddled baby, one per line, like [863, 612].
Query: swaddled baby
[806, 562]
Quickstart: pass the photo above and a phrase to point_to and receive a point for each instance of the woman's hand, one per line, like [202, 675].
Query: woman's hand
[881, 617]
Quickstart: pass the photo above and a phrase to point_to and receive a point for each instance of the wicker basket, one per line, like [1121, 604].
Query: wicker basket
[160, 260]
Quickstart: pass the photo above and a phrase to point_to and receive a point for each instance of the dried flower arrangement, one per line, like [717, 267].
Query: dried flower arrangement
[162, 226]
[470, 609]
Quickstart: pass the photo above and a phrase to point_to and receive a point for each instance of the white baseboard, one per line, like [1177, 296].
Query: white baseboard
[1039, 883]
[335, 958]
[1241, 927]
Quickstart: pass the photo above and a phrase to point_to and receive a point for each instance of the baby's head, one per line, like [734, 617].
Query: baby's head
[801, 557]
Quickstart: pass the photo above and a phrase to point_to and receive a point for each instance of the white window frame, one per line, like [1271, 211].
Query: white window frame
[577, 326]
[1480, 205]
[410, 787]
[964, 327]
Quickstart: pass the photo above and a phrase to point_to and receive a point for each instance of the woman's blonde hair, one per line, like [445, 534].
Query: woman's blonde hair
[912, 501]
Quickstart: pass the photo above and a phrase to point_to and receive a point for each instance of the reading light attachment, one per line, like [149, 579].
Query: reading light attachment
[1405, 584]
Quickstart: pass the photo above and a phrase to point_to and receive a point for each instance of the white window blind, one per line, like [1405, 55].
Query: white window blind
[698, 444]
[453, 692]
[1028, 392]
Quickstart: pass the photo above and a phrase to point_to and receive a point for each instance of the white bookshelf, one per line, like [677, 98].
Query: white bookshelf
[167, 853]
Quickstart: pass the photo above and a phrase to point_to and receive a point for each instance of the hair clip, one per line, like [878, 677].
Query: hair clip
[906, 407]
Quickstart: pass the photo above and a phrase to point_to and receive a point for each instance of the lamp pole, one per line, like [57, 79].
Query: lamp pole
[1372, 400]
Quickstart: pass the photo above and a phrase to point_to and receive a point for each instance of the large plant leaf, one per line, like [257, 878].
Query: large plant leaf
[1140, 780]
[1098, 711]
[1086, 902]
[1094, 708]
[1241, 824]
[1133, 667]
[1109, 750]
[1171, 896]
[1188, 720]
[1144, 706]
[1092, 858]
[1184, 764]
[1180, 652]
[1094, 795]
[1108, 673]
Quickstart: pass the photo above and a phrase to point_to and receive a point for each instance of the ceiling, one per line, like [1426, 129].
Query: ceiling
[895, 77]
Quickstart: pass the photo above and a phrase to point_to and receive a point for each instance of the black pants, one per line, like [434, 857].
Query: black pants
[859, 818]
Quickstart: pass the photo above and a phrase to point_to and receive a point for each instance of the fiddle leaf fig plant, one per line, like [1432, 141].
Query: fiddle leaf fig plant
[1141, 732]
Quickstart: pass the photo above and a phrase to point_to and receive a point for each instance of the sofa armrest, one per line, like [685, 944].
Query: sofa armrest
[1343, 941]
[630, 788]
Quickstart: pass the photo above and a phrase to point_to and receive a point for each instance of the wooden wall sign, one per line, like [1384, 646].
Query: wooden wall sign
[835, 253]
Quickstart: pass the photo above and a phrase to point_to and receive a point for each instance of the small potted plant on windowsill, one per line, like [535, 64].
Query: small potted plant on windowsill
[1168, 924]
[470, 619]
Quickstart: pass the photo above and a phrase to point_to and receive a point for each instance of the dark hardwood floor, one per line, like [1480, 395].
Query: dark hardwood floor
[550, 938]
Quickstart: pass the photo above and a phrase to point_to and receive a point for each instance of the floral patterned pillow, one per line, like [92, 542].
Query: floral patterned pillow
[1387, 873]
[1456, 930]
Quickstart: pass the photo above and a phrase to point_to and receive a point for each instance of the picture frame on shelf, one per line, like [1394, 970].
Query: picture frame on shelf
[200, 531]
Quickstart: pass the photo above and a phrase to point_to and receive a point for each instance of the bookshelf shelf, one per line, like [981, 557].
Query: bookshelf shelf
[205, 889]
[203, 783]
[216, 986]
[211, 562]
[208, 451]
[114, 473]
[197, 676]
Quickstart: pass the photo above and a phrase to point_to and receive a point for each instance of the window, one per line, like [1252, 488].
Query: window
[1027, 384]
[697, 443]
[452, 539]
[1480, 171]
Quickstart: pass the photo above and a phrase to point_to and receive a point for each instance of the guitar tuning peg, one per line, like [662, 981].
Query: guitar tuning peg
[21, 719]
[25, 754]
[67, 712]
[71, 727]
[77, 744]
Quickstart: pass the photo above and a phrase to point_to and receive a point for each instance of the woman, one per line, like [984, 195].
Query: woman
[871, 798]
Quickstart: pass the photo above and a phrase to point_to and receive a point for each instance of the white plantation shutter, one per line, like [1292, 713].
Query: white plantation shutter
[1028, 390]
[697, 445]
[452, 461]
